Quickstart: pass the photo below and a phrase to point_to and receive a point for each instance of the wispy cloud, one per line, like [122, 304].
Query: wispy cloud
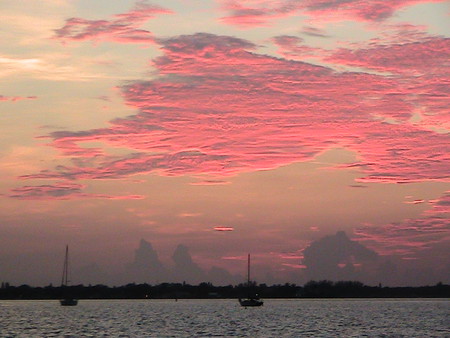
[223, 228]
[61, 191]
[53, 67]
[251, 13]
[294, 47]
[314, 31]
[122, 28]
[411, 235]
[16, 98]
[210, 182]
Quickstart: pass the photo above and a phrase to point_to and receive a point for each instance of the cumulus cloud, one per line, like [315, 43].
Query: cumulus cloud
[185, 268]
[122, 28]
[335, 257]
[146, 266]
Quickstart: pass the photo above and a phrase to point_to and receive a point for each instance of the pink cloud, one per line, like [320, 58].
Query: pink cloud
[250, 13]
[415, 202]
[237, 258]
[211, 182]
[423, 75]
[295, 256]
[219, 108]
[123, 28]
[16, 98]
[256, 13]
[295, 266]
[223, 228]
[415, 58]
[407, 237]
[189, 214]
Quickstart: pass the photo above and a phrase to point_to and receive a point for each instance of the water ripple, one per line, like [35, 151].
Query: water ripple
[225, 318]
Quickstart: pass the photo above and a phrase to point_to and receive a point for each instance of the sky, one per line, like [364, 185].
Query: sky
[165, 140]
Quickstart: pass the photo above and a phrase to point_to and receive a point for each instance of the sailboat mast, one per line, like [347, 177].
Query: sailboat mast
[248, 269]
[66, 267]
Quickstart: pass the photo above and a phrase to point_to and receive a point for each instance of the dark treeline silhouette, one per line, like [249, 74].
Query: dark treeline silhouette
[312, 289]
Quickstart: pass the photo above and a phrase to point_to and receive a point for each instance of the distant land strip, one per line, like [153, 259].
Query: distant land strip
[312, 289]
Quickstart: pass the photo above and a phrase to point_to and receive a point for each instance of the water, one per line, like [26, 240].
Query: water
[225, 318]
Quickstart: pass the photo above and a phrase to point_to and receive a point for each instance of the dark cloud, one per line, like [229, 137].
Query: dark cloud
[314, 31]
[146, 267]
[336, 258]
[185, 269]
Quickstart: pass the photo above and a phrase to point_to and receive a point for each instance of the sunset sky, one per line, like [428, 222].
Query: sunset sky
[229, 127]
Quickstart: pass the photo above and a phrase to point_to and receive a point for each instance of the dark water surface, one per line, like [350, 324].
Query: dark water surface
[225, 318]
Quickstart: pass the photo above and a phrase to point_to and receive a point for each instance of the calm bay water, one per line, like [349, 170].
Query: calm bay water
[225, 318]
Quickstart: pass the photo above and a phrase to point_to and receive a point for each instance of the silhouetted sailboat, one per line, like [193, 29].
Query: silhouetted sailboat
[66, 301]
[250, 300]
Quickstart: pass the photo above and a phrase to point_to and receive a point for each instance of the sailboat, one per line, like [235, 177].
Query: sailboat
[250, 300]
[66, 301]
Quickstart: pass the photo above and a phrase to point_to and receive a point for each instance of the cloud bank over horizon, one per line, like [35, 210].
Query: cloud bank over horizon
[333, 257]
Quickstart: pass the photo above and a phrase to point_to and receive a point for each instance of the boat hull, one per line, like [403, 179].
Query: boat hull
[68, 302]
[250, 302]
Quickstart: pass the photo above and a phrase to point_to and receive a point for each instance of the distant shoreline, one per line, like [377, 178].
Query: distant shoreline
[311, 290]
